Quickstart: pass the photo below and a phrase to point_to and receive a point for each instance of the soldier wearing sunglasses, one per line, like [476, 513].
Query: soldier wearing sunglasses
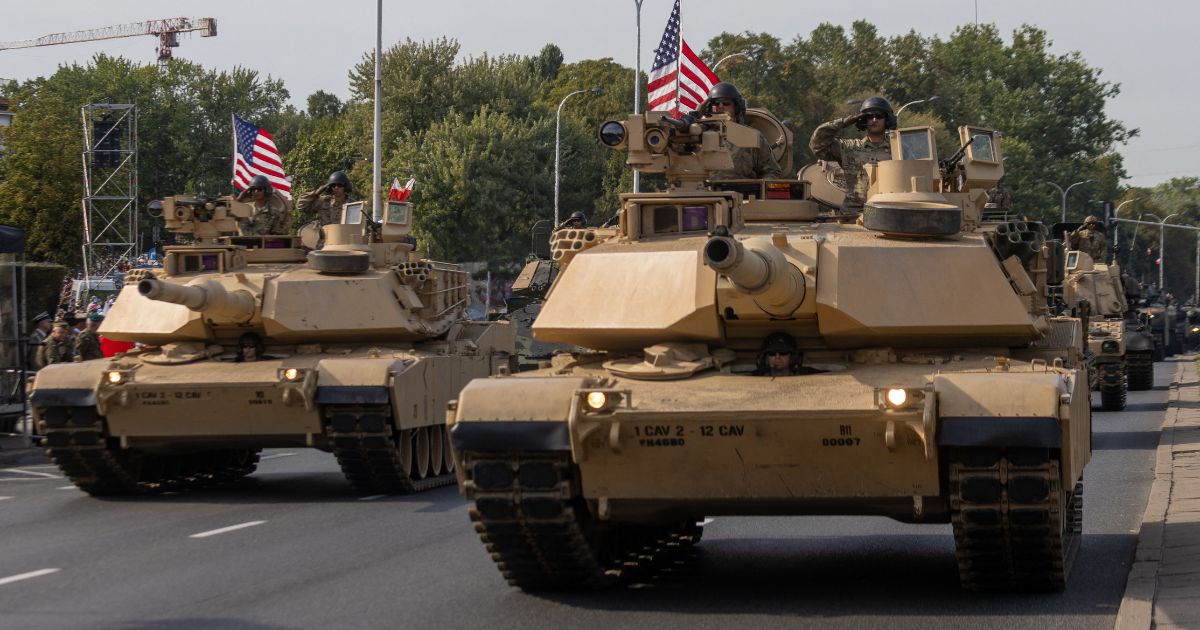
[875, 117]
[748, 163]
[272, 211]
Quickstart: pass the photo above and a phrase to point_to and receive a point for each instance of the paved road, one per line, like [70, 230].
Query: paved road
[293, 547]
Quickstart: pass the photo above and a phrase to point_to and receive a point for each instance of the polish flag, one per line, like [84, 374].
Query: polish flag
[398, 193]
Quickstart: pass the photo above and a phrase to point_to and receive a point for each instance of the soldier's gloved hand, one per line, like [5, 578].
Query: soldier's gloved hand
[850, 120]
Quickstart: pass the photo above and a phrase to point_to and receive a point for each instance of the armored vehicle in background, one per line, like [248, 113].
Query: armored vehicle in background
[1096, 290]
[1162, 320]
[254, 342]
[1192, 333]
[926, 380]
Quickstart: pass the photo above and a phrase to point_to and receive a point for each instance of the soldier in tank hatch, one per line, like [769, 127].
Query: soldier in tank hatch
[875, 117]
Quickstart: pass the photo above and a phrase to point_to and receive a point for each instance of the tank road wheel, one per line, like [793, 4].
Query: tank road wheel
[420, 460]
[541, 534]
[1112, 386]
[1015, 528]
[447, 451]
[437, 456]
[375, 457]
[1140, 368]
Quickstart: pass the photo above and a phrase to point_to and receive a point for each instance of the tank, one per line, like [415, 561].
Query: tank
[928, 381]
[249, 342]
[1119, 359]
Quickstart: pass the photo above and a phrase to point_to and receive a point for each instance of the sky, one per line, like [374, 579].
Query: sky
[1148, 47]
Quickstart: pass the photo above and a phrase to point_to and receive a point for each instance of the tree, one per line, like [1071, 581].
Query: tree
[322, 104]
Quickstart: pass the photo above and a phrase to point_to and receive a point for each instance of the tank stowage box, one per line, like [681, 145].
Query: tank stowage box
[753, 355]
[252, 342]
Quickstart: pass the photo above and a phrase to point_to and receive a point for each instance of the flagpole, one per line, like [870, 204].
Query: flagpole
[377, 174]
[679, 60]
[637, 86]
[233, 156]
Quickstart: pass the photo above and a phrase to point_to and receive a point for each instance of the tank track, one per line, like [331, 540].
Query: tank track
[541, 535]
[75, 439]
[1139, 366]
[364, 442]
[1014, 529]
[1112, 386]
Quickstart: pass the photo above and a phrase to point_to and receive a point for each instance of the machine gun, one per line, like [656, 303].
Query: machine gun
[201, 217]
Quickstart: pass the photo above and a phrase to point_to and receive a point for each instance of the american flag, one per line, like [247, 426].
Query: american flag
[255, 154]
[674, 86]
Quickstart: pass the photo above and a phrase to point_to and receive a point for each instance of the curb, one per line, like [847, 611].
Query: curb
[1137, 605]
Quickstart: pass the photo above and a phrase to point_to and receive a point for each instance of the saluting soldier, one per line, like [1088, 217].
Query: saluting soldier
[875, 117]
[327, 200]
[58, 347]
[272, 211]
[87, 344]
[1088, 238]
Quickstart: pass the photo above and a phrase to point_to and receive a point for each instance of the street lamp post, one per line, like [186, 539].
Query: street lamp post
[1064, 194]
[557, 138]
[1162, 259]
[637, 87]
[905, 106]
[757, 50]
[1117, 231]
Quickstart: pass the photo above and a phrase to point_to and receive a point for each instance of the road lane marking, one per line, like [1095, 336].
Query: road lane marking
[214, 532]
[275, 456]
[706, 521]
[4, 498]
[33, 473]
[372, 497]
[71, 487]
[25, 576]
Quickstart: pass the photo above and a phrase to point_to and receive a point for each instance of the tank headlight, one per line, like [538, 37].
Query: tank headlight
[896, 397]
[1196, 329]
[1110, 345]
[291, 374]
[596, 400]
[114, 377]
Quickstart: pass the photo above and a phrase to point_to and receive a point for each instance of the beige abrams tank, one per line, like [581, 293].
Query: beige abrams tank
[943, 390]
[247, 346]
[1120, 356]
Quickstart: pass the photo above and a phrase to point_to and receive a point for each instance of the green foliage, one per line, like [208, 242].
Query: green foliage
[184, 139]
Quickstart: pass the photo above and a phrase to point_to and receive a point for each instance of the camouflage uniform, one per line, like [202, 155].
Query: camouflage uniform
[758, 163]
[272, 217]
[87, 346]
[326, 206]
[55, 351]
[851, 154]
[1000, 198]
[1093, 243]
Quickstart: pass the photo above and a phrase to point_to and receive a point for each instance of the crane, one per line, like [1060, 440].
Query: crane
[167, 30]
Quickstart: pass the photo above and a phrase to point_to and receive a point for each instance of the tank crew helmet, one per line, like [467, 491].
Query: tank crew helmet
[777, 343]
[876, 105]
[1093, 220]
[251, 339]
[725, 91]
[339, 178]
[260, 182]
[576, 220]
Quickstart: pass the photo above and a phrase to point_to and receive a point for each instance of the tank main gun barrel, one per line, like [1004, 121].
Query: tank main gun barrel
[757, 268]
[205, 296]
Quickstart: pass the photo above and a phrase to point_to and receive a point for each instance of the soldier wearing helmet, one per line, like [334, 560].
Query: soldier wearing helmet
[576, 220]
[327, 200]
[875, 117]
[272, 211]
[1089, 238]
[780, 356]
[748, 163]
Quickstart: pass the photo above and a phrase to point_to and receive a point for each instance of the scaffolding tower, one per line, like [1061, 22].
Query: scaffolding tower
[110, 187]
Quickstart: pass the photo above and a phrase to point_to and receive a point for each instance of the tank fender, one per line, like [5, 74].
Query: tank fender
[511, 413]
[1001, 408]
[1138, 342]
[63, 398]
